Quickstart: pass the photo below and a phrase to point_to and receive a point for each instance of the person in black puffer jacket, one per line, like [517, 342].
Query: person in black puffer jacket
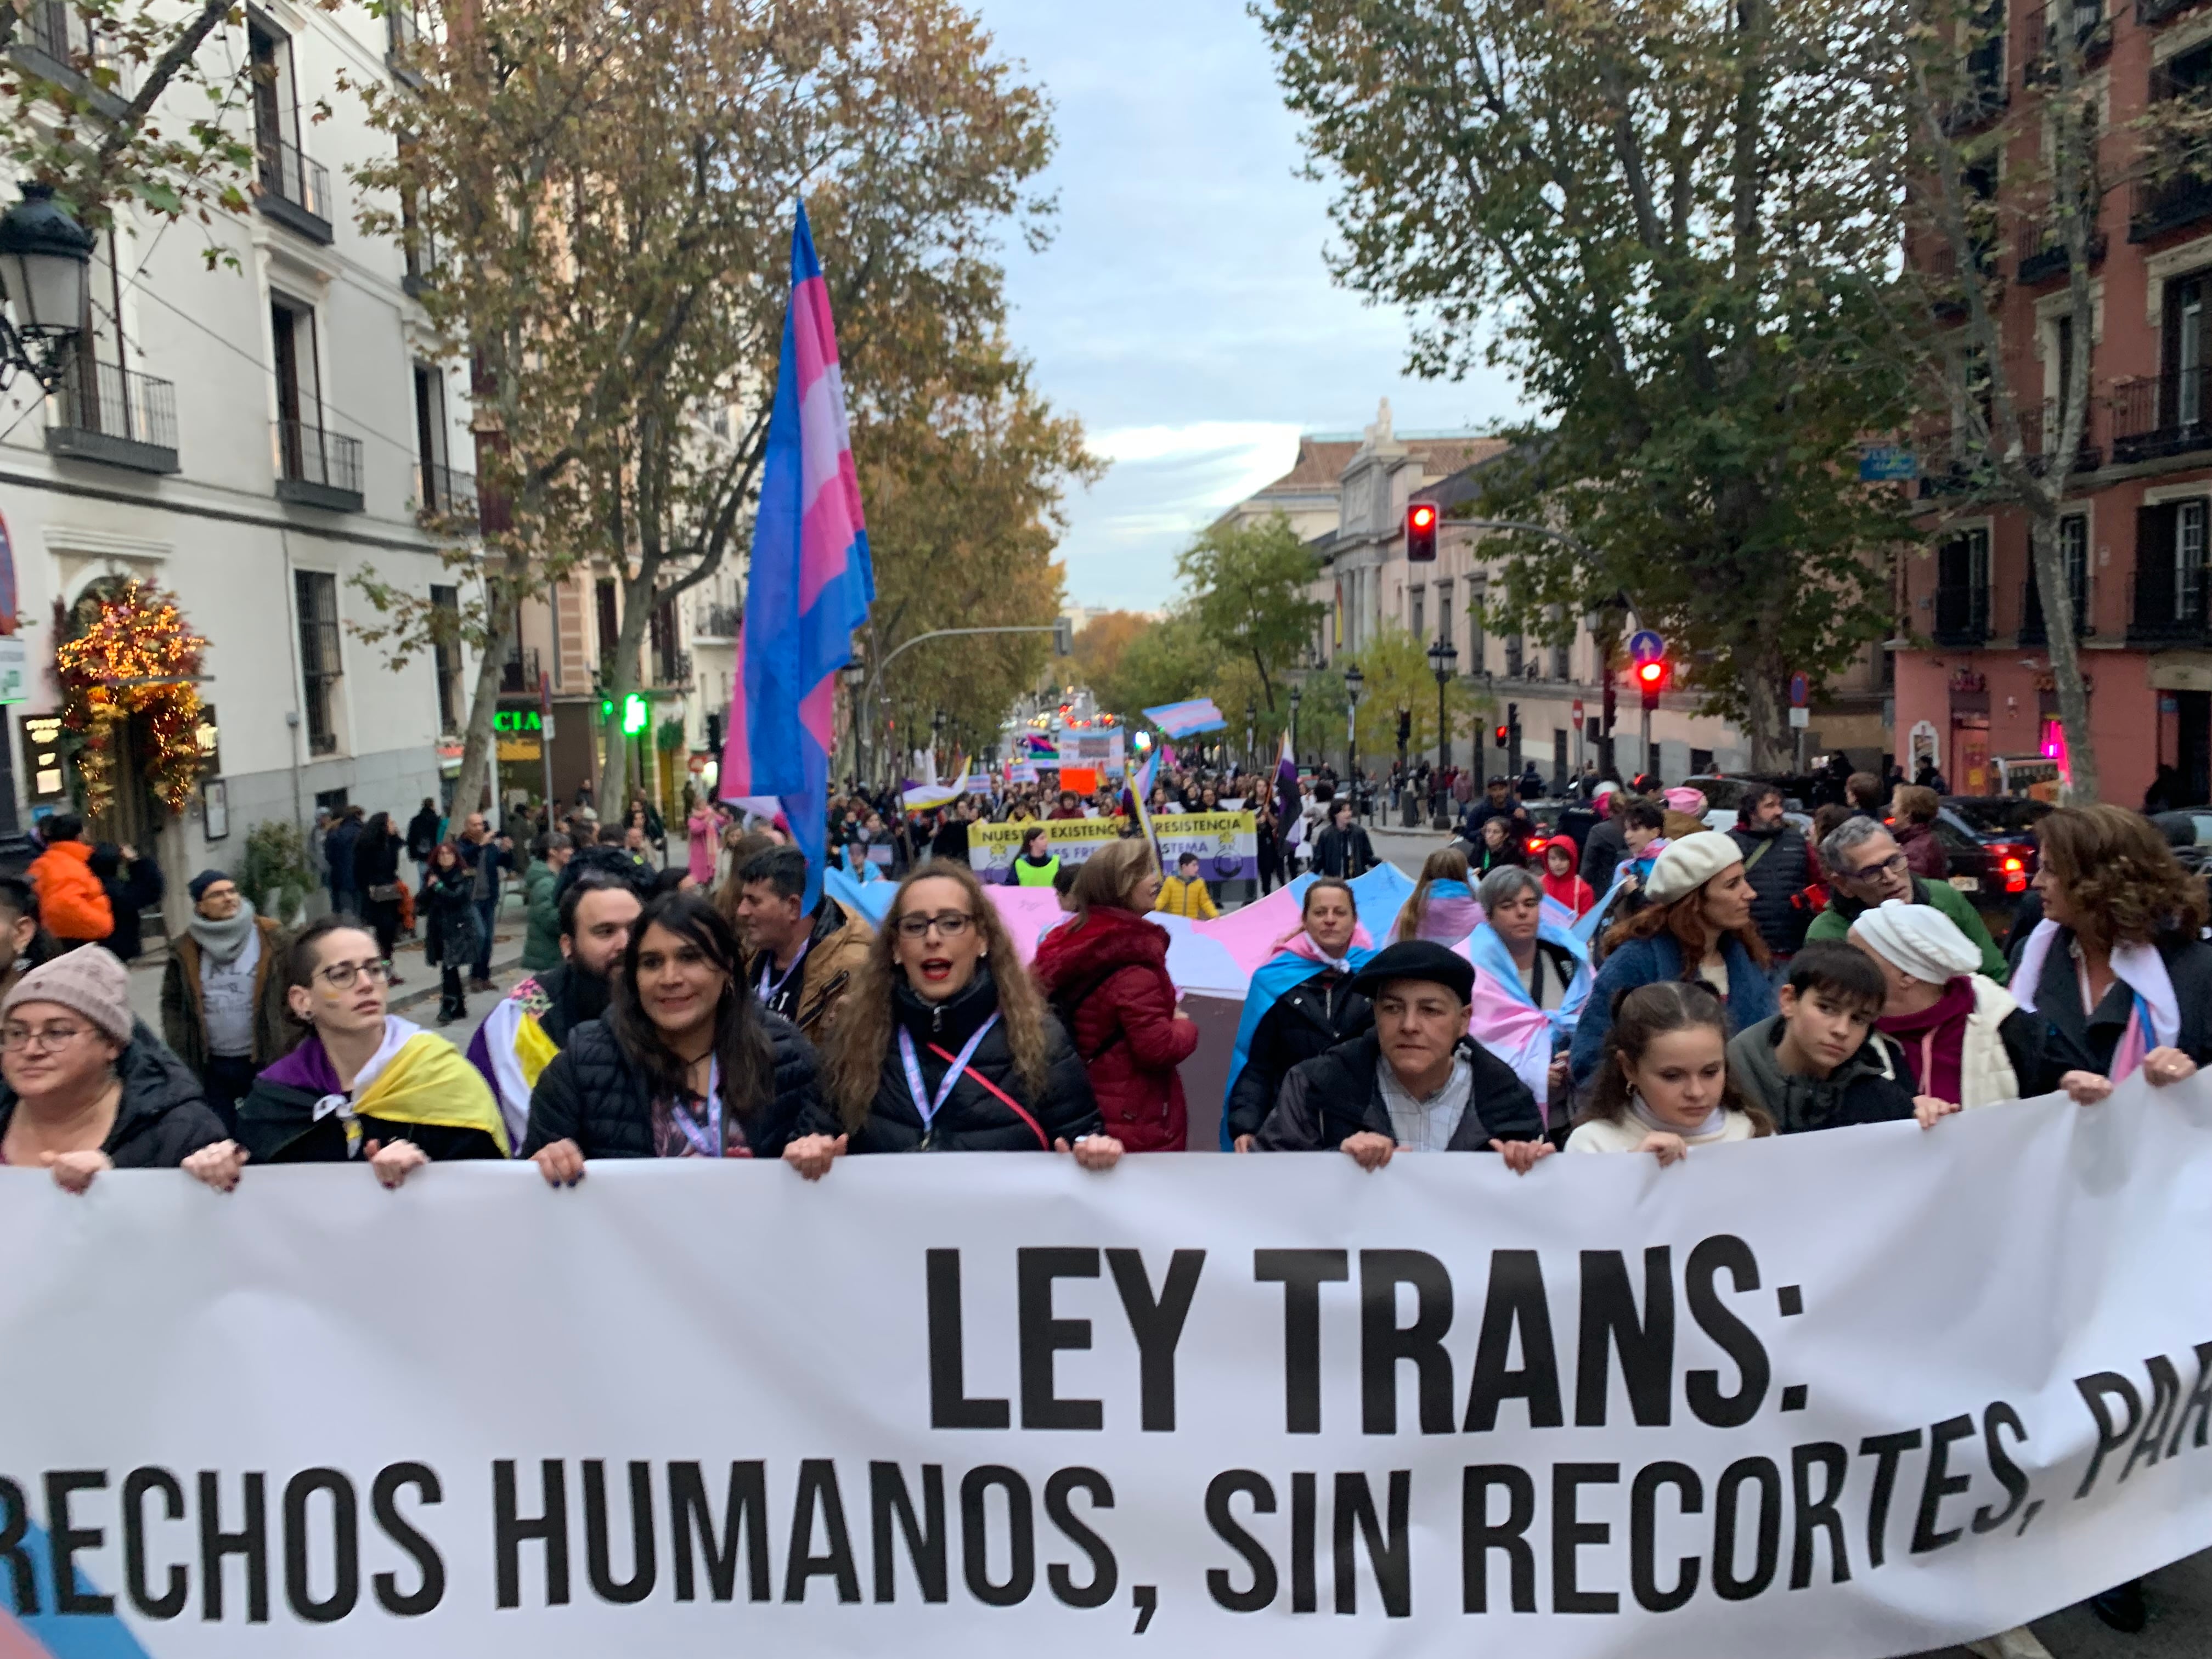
[1778, 864]
[684, 1065]
[944, 1044]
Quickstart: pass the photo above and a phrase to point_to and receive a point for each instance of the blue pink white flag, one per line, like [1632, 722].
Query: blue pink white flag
[1180, 719]
[811, 580]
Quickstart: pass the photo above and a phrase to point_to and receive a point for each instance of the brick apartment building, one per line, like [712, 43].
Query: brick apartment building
[1976, 686]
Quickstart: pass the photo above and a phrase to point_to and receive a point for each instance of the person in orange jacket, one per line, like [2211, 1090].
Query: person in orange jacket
[72, 903]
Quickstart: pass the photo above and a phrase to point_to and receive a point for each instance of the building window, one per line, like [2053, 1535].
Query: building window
[2074, 554]
[610, 625]
[317, 595]
[2189, 559]
[445, 653]
[434, 488]
[1477, 646]
[1962, 589]
[1420, 620]
[298, 385]
[1515, 648]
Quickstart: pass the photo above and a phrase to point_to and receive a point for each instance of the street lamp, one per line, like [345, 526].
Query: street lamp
[855, 675]
[1443, 663]
[1251, 719]
[1354, 683]
[45, 257]
[1298, 696]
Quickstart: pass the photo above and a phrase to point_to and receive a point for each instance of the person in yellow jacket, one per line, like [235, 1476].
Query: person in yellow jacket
[1183, 894]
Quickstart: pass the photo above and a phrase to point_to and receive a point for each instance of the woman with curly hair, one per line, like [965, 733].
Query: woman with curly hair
[944, 1044]
[1696, 925]
[2116, 965]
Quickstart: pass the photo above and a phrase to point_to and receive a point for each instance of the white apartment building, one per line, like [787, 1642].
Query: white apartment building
[252, 438]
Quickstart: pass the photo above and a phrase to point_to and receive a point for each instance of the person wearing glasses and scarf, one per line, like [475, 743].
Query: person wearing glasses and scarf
[945, 1045]
[686, 1063]
[362, 1083]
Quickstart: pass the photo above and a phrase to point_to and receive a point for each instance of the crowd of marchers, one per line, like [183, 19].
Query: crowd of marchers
[721, 1019]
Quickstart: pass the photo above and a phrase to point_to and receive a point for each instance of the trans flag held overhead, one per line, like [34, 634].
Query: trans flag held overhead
[811, 580]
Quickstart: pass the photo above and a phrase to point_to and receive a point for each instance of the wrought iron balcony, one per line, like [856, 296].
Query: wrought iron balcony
[102, 412]
[295, 191]
[445, 492]
[2162, 415]
[519, 673]
[57, 43]
[2170, 607]
[2035, 629]
[2041, 253]
[2092, 32]
[2149, 12]
[1962, 614]
[716, 622]
[2038, 432]
[318, 468]
[2178, 192]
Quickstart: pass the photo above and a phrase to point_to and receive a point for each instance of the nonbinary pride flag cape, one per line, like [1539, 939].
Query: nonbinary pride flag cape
[811, 580]
[414, 1076]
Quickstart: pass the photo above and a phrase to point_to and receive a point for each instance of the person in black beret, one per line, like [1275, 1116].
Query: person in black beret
[1417, 1082]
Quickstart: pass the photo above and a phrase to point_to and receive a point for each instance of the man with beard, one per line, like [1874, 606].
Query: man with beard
[23, 947]
[532, 1023]
[222, 995]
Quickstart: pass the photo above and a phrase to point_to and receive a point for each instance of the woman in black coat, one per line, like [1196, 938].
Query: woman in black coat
[376, 871]
[944, 1044]
[684, 1064]
[449, 945]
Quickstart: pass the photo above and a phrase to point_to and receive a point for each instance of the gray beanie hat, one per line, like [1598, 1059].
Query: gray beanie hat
[89, 981]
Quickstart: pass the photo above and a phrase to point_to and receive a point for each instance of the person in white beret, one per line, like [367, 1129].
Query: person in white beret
[1696, 924]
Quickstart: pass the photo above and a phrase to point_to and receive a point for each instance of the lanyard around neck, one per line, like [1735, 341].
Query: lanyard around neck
[704, 1138]
[923, 1102]
[768, 989]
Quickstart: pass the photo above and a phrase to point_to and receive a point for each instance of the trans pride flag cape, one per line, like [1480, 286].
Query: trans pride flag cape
[1504, 1019]
[811, 580]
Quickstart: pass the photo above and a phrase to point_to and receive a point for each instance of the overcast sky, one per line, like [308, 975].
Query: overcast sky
[1184, 311]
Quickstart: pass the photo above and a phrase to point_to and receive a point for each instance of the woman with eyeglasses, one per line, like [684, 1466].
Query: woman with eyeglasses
[88, 1089]
[684, 1064]
[945, 1045]
[362, 1083]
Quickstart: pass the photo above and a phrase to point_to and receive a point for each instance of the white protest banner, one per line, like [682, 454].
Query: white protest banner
[1855, 1394]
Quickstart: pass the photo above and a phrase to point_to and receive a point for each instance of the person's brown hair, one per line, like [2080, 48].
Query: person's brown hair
[743, 851]
[1319, 883]
[1863, 789]
[1684, 920]
[853, 1064]
[1449, 864]
[1656, 1011]
[1111, 877]
[2119, 876]
[1915, 802]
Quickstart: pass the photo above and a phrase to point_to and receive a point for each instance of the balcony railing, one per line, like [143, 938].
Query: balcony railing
[420, 249]
[716, 622]
[2157, 11]
[404, 34]
[2162, 415]
[669, 668]
[2092, 31]
[520, 672]
[102, 413]
[55, 42]
[2038, 432]
[1984, 95]
[2035, 629]
[2041, 253]
[2178, 192]
[1962, 613]
[1939, 268]
[444, 491]
[295, 191]
[318, 468]
[2169, 601]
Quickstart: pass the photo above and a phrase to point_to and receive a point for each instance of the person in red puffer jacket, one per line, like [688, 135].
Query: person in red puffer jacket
[1106, 972]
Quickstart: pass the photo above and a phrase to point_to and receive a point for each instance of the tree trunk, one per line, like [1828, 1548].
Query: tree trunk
[619, 678]
[1772, 748]
[500, 584]
[2058, 595]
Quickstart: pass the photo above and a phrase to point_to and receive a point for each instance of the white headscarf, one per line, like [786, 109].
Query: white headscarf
[1917, 939]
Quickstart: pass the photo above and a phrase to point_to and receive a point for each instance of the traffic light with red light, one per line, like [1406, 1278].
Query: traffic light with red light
[1651, 680]
[1504, 735]
[1421, 532]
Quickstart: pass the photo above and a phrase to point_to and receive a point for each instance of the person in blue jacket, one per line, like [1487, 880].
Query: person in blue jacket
[1696, 925]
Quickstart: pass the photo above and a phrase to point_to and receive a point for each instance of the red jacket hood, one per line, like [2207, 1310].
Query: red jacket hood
[1109, 937]
[1574, 854]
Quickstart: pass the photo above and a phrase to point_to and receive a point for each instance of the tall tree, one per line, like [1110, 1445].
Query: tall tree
[1100, 642]
[1248, 585]
[1653, 217]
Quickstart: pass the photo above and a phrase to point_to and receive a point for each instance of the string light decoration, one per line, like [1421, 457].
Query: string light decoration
[126, 651]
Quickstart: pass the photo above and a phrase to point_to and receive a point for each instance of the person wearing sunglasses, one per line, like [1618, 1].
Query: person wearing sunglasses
[946, 1044]
[86, 1090]
[362, 1084]
[1866, 868]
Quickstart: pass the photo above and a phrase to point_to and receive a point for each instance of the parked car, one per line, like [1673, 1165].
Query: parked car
[2188, 831]
[1989, 844]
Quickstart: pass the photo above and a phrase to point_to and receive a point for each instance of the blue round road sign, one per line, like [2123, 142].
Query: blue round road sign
[1644, 646]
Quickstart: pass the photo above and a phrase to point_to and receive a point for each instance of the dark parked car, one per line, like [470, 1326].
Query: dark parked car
[1989, 842]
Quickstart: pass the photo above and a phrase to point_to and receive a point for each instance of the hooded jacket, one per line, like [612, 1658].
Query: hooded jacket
[72, 904]
[1325, 1101]
[541, 938]
[163, 1118]
[1570, 889]
[835, 951]
[974, 1118]
[1872, 1086]
[1110, 974]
